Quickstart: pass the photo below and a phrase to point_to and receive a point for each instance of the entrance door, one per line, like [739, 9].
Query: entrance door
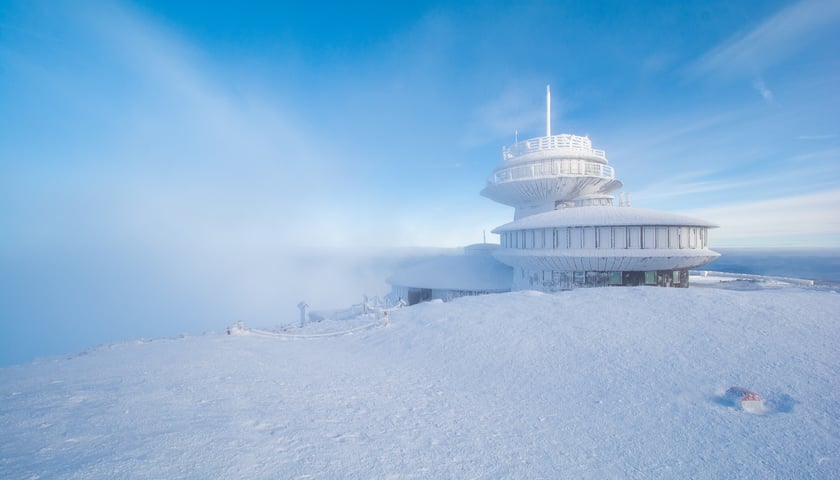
[417, 295]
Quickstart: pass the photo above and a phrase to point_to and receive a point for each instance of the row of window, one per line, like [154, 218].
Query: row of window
[554, 168]
[608, 237]
[614, 278]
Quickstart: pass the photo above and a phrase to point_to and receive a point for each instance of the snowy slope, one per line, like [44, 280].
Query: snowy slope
[593, 383]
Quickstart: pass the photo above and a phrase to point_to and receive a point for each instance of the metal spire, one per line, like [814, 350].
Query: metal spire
[548, 110]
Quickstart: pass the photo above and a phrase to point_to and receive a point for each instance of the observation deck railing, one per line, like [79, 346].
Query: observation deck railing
[550, 169]
[554, 142]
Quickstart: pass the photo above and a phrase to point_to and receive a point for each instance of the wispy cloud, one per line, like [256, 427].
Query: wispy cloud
[772, 41]
[762, 89]
[517, 109]
[829, 136]
[825, 156]
[682, 125]
[670, 189]
[242, 171]
[785, 221]
[191, 210]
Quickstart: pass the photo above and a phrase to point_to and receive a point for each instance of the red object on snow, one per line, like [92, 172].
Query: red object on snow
[748, 400]
[751, 396]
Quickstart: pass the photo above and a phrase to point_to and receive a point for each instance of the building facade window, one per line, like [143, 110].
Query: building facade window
[650, 278]
[634, 237]
[673, 237]
[604, 239]
[620, 237]
[661, 237]
[648, 237]
[589, 239]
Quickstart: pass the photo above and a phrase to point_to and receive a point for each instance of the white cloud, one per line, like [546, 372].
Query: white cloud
[830, 136]
[788, 221]
[673, 187]
[775, 39]
[762, 89]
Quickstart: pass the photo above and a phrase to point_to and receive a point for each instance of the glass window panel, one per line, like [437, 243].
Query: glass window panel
[661, 237]
[620, 237]
[648, 237]
[634, 237]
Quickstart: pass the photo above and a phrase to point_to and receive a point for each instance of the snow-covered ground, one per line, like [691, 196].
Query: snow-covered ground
[592, 383]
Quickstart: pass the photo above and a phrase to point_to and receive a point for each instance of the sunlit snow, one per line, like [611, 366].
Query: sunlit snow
[591, 383]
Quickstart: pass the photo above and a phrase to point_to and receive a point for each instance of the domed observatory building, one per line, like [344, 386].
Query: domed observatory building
[568, 233]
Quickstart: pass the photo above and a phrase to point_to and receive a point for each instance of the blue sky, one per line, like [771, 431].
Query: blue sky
[185, 149]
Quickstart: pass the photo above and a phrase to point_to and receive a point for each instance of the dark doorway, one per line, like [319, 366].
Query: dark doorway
[417, 295]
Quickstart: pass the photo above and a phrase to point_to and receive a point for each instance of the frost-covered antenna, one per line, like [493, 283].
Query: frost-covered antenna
[302, 306]
[548, 110]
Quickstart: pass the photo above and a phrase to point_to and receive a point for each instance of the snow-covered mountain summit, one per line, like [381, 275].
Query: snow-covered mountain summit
[592, 383]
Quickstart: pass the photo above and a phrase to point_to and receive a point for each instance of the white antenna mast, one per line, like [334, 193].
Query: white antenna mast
[548, 110]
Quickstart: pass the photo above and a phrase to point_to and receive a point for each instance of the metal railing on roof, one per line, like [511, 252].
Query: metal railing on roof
[551, 168]
[555, 142]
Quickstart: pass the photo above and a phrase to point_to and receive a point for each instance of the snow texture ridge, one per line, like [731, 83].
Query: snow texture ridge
[591, 383]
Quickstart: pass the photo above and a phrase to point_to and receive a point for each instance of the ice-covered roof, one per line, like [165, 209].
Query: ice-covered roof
[458, 272]
[602, 216]
[481, 248]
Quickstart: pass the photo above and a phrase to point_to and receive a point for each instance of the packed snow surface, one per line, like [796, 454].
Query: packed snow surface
[592, 383]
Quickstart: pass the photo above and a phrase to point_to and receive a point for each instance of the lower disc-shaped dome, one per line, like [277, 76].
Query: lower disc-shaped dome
[605, 260]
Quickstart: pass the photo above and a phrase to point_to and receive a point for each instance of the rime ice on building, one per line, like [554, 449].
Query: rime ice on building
[446, 277]
[568, 233]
